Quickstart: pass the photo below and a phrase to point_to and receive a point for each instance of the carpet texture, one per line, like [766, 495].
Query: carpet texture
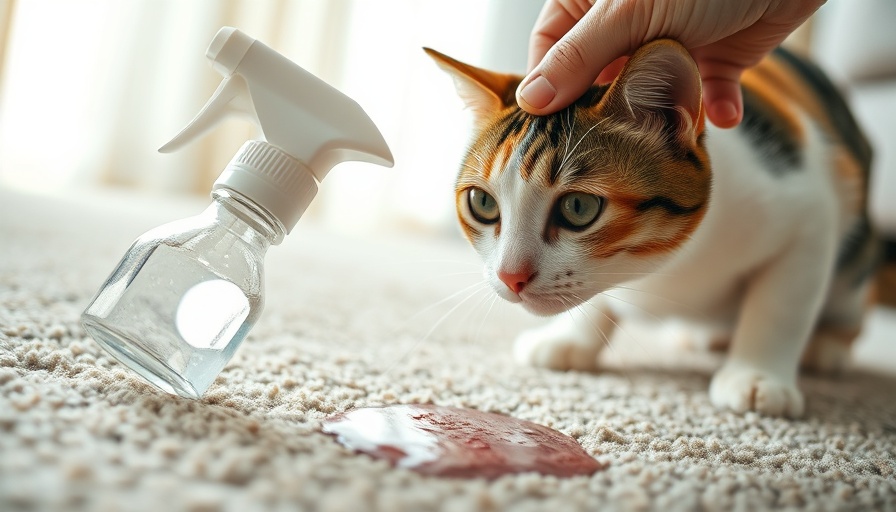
[356, 322]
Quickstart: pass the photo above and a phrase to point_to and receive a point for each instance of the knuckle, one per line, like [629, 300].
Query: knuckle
[568, 56]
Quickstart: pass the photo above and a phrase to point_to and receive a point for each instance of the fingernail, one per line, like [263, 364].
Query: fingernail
[724, 113]
[538, 93]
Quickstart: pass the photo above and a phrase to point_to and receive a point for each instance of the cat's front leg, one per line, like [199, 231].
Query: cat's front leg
[777, 315]
[570, 341]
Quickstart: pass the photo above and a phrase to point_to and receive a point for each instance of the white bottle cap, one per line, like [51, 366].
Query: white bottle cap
[272, 179]
[307, 126]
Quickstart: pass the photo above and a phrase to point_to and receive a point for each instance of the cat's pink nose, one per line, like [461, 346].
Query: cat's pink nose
[516, 281]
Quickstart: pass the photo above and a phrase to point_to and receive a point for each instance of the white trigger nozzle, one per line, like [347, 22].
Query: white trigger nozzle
[296, 111]
[307, 126]
[230, 97]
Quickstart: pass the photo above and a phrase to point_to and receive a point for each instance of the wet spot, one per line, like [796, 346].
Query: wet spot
[455, 442]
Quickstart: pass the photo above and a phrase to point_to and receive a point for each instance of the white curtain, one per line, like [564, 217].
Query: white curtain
[89, 89]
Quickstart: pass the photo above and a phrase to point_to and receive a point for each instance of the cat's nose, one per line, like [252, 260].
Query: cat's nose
[516, 281]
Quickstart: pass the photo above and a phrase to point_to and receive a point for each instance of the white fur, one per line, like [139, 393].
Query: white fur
[758, 268]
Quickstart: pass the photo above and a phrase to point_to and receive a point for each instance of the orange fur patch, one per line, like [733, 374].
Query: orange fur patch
[776, 91]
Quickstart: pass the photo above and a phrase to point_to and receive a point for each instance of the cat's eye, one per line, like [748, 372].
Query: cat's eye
[483, 206]
[578, 210]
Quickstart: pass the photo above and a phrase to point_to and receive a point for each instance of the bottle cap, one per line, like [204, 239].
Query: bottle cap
[272, 179]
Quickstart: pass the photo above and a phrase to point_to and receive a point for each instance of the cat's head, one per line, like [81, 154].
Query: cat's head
[565, 206]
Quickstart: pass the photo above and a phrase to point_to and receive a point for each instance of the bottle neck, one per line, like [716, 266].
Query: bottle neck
[248, 220]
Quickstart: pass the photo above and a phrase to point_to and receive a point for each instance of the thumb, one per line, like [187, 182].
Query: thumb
[567, 70]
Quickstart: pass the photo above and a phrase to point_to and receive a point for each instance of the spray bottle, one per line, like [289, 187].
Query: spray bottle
[186, 294]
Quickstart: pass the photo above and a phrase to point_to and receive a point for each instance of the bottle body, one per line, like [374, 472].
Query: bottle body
[185, 295]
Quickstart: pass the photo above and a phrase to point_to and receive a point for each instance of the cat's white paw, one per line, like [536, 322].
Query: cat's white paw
[746, 388]
[558, 347]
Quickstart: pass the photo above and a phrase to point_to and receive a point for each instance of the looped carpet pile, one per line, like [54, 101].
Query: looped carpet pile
[353, 322]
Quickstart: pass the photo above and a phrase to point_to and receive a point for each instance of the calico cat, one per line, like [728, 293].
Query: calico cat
[756, 235]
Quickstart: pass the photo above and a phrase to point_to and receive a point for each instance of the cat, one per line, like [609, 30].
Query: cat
[757, 235]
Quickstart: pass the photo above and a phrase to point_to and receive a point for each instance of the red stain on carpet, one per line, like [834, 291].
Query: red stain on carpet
[454, 442]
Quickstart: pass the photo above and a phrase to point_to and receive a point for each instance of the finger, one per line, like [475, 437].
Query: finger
[722, 97]
[573, 63]
[553, 23]
[723, 102]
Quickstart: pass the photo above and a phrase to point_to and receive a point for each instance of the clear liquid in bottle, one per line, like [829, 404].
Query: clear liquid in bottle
[178, 306]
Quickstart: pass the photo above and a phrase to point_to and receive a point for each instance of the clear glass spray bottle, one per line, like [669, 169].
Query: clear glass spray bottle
[186, 294]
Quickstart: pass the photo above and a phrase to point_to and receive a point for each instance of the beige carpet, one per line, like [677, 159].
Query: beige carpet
[347, 324]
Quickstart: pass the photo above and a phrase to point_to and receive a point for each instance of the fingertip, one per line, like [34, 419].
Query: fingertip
[536, 94]
[540, 97]
[724, 113]
[723, 100]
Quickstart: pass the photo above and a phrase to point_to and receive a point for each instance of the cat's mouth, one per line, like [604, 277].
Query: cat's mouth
[546, 304]
[538, 301]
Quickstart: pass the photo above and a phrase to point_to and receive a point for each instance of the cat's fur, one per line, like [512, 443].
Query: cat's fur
[758, 234]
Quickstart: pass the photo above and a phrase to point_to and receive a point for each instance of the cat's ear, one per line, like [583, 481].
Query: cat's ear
[659, 87]
[485, 93]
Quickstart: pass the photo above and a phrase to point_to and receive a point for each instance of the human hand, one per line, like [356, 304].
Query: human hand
[575, 43]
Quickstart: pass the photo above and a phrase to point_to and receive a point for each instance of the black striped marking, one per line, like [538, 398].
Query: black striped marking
[513, 123]
[767, 131]
[543, 133]
[667, 204]
[841, 117]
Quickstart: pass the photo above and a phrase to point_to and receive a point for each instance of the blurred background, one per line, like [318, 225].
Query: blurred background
[89, 89]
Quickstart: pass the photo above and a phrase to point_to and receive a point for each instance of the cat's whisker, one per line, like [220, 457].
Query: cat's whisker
[597, 330]
[616, 324]
[480, 284]
[683, 305]
[649, 268]
[597, 273]
[652, 315]
[477, 307]
[570, 115]
[581, 309]
[479, 287]
[589, 130]
[485, 317]
[583, 155]
[613, 286]
[453, 262]
[452, 274]
[580, 157]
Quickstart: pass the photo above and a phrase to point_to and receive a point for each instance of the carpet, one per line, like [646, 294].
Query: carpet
[353, 321]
